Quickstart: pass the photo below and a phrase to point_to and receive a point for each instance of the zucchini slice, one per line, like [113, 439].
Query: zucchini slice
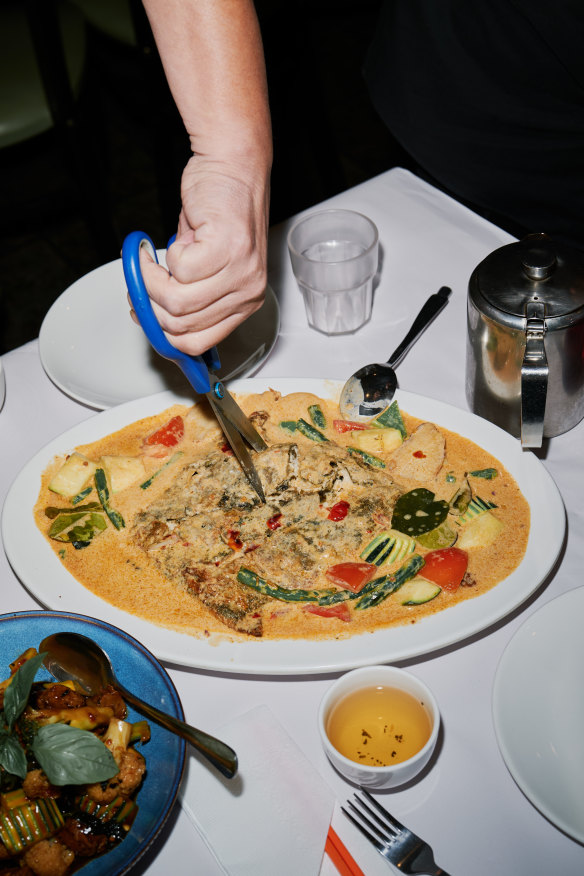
[73, 475]
[388, 547]
[12, 799]
[377, 440]
[480, 532]
[418, 591]
[475, 508]
[121, 809]
[24, 825]
[122, 471]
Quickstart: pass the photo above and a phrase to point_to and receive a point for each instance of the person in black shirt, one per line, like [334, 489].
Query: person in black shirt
[487, 96]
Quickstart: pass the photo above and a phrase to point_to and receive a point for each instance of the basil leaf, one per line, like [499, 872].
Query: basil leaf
[85, 531]
[63, 522]
[70, 756]
[12, 756]
[17, 693]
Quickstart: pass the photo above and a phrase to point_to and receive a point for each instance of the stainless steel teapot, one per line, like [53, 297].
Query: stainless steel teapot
[525, 345]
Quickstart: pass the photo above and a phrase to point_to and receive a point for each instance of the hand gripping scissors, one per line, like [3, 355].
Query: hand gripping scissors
[199, 370]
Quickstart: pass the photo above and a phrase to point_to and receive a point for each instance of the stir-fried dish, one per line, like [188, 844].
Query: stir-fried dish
[365, 525]
[69, 772]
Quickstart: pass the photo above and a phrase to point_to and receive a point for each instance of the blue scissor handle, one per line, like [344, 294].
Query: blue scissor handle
[195, 368]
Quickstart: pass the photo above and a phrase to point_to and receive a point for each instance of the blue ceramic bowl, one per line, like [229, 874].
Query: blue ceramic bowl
[141, 673]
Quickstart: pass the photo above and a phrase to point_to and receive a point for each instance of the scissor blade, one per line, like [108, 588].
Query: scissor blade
[238, 446]
[232, 412]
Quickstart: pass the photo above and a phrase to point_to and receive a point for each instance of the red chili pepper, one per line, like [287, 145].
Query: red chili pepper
[419, 454]
[234, 541]
[274, 522]
[339, 511]
[347, 426]
[226, 448]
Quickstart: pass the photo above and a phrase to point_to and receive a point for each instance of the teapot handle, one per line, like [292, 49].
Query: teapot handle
[534, 377]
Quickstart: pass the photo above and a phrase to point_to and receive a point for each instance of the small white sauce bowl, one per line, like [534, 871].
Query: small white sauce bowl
[378, 777]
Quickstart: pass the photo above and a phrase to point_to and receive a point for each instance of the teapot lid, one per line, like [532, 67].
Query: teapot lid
[535, 269]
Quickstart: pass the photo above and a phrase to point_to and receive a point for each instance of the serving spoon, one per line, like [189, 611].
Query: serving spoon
[371, 389]
[70, 656]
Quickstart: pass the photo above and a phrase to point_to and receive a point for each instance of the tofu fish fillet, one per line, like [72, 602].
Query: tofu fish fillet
[210, 523]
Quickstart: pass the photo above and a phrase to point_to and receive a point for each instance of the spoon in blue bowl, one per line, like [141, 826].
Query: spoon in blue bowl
[70, 656]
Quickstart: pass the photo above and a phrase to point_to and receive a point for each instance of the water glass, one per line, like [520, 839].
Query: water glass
[334, 256]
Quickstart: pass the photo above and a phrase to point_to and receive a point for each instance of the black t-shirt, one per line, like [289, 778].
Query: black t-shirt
[487, 96]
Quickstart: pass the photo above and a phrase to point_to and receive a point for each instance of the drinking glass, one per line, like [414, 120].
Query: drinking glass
[334, 255]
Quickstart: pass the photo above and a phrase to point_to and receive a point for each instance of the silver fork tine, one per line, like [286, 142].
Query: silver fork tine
[395, 825]
[396, 843]
[385, 827]
[372, 839]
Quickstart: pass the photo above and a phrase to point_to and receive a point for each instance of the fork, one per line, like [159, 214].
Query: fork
[398, 845]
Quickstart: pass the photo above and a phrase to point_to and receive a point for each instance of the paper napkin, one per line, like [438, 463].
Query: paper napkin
[274, 815]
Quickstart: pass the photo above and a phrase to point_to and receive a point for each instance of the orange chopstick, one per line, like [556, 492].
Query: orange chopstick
[340, 856]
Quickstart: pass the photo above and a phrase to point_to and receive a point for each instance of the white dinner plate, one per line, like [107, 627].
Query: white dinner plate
[538, 710]
[40, 570]
[94, 352]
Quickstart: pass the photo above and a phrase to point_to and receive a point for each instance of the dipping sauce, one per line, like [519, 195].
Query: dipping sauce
[379, 726]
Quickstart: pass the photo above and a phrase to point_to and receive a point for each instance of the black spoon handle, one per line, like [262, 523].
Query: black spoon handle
[429, 311]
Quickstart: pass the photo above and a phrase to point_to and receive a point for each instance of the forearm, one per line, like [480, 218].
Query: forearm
[213, 59]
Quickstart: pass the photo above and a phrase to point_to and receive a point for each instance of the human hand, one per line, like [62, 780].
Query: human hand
[218, 262]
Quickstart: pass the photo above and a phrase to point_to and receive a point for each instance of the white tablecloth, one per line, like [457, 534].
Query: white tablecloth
[467, 806]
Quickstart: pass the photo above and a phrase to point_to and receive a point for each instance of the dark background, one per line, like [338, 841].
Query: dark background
[327, 138]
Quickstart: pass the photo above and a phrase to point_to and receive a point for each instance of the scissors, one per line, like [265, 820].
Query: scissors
[199, 370]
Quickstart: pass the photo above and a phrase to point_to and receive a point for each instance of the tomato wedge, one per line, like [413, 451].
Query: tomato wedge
[348, 426]
[445, 567]
[351, 576]
[340, 611]
[168, 435]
